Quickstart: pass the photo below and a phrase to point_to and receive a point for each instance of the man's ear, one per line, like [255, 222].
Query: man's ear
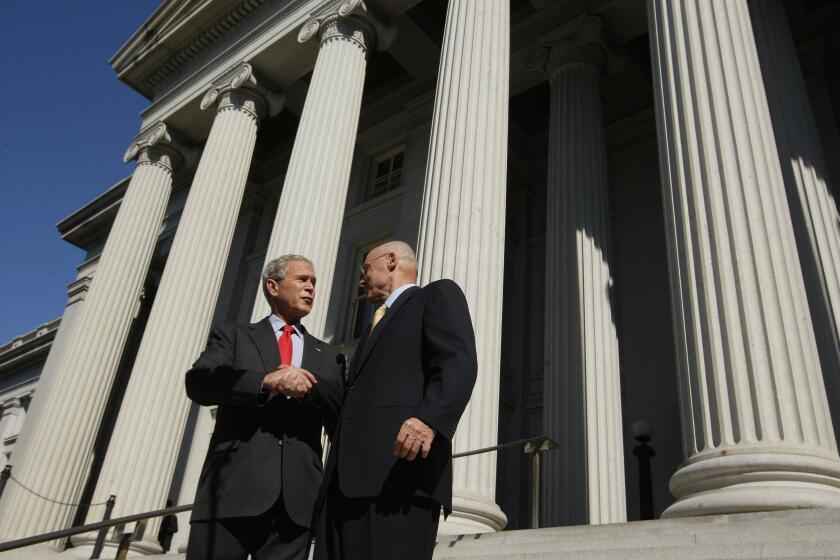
[272, 286]
[392, 262]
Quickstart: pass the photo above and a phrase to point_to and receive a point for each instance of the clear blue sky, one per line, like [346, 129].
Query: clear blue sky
[65, 122]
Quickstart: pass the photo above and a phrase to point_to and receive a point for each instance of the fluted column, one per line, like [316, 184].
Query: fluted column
[584, 479]
[311, 208]
[462, 228]
[816, 222]
[57, 460]
[202, 431]
[141, 459]
[756, 427]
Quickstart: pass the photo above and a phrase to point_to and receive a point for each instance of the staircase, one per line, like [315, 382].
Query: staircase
[783, 535]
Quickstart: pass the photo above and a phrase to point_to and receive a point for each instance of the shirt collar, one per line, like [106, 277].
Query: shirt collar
[277, 324]
[397, 293]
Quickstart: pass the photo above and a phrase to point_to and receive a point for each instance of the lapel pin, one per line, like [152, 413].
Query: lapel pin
[317, 349]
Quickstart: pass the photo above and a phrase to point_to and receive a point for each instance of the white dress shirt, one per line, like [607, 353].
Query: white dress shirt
[397, 293]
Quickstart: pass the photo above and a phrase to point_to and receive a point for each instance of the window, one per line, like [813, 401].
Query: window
[361, 311]
[386, 174]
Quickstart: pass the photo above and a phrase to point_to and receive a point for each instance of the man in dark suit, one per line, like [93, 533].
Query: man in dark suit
[390, 468]
[274, 385]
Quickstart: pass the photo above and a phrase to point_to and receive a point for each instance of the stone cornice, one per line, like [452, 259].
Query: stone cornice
[348, 20]
[87, 225]
[169, 38]
[231, 87]
[28, 346]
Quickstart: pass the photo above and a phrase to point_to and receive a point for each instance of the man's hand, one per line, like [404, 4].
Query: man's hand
[414, 436]
[289, 381]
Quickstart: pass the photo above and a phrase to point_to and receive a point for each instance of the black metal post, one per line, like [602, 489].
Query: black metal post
[4, 476]
[103, 532]
[533, 450]
[122, 549]
[643, 453]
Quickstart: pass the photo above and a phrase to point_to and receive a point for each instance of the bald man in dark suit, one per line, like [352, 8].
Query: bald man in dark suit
[389, 472]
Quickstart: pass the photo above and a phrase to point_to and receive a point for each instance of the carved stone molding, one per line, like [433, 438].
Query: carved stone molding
[420, 109]
[159, 145]
[239, 88]
[580, 42]
[348, 20]
[78, 289]
[632, 131]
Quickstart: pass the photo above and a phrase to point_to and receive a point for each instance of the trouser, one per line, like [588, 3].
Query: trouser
[380, 528]
[271, 535]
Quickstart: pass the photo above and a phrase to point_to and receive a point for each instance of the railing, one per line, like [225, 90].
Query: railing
[531, 446]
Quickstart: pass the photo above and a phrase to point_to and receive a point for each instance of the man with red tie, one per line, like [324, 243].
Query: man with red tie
[275, 386]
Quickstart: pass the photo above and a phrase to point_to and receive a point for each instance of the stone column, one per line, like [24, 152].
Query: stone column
[816, 222]
[141, 459]
[756, 428]
[584, 479]
[462, 227]
[203, 430]
[57, 459]
[311, 208]
[419, 112]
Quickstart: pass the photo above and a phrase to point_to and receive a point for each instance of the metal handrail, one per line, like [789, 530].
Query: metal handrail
[545, 443]
[516, 443]
[89, 528]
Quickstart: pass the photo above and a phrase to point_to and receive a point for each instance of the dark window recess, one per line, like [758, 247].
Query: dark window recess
[387, 175]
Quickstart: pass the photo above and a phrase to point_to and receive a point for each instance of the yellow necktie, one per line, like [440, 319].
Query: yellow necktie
[377, 316]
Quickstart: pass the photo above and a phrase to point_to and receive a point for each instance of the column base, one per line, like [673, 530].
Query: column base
[741, 482]
[472, 513]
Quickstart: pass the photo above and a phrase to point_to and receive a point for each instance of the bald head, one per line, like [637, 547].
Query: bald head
[386, 268]
[407, 261]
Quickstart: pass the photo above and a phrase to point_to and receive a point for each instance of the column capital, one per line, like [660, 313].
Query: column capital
[239, 87]
[159, 145]
[349, 20]
[580, 42]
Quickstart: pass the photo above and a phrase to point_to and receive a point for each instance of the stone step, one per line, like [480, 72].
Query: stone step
[795, 534]
[781, 551]
[801, 534]
[766, 522]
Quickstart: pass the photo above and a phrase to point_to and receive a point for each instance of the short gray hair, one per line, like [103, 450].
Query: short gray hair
[275, 269]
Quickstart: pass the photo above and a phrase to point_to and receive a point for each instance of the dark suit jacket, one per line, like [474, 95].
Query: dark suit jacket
[420, 360]
[260, 446]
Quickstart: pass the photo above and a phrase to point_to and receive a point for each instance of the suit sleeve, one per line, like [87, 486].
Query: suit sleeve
[213, 380]
[328, 393]
[449, 358]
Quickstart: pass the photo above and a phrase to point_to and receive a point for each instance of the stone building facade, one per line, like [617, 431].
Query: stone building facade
[636, 197]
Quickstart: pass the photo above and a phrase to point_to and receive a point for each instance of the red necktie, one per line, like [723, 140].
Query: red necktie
[284, 344]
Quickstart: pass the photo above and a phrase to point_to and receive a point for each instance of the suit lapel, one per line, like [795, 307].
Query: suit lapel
[266, 342]
[367, 343]
[357, 354]
[312, 353]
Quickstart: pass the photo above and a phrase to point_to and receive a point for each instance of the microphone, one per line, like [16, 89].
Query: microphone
[341, 360]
